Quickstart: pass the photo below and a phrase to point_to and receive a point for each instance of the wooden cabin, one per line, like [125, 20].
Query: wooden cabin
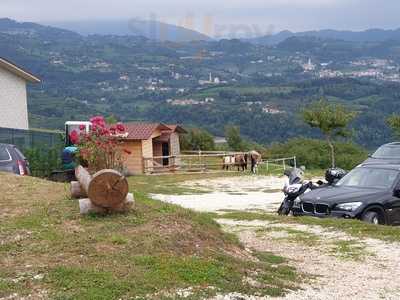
[152, 146]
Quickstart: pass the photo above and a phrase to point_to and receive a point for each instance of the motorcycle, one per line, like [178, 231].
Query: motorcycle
[295, 187]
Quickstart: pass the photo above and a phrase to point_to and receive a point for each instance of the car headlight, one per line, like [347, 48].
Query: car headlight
[350, 206]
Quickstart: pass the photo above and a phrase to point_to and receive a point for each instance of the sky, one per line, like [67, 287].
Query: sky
[217, 17]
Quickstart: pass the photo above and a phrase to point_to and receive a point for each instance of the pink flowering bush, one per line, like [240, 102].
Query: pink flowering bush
[100, 148]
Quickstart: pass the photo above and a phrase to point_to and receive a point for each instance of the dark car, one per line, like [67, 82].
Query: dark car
[12, 160]
[388, 153]
[370, 192]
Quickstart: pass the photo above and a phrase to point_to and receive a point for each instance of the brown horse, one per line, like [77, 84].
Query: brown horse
[241, 162]
[237, 160]
[255, 158]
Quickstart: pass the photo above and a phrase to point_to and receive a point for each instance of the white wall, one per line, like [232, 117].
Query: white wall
[13, 101]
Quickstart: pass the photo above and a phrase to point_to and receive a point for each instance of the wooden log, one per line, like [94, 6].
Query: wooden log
[83, 176]
[107, 188]
[86, 206]
[125, 206]
[76, 191]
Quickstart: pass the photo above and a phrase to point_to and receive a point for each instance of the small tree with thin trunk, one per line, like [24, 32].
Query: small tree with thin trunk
[331, 119]
[394, 123]
[233, 138]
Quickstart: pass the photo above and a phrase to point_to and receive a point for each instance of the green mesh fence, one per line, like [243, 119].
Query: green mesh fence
[42, 149]
[24, 139]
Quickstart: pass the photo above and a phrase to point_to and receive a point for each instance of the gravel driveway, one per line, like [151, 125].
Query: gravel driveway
[231, 193]
[341, 266]
[373, 275]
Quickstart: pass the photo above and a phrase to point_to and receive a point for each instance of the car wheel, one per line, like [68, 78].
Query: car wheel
[373, 217]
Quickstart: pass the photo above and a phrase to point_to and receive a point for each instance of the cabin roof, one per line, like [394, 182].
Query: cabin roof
[144, 131]
[177, 128]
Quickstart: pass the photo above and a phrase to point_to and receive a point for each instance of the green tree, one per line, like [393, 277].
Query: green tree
[233, 138]
[315, 154]
[111, 120]
[331, 119]
[197, 139]
[394, 123]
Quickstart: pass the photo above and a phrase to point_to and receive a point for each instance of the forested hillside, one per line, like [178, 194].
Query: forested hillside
[260, 88]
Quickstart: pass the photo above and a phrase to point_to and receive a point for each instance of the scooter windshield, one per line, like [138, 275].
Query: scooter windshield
[296, 176]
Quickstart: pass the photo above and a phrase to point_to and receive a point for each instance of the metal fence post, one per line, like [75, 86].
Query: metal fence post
[12, 136]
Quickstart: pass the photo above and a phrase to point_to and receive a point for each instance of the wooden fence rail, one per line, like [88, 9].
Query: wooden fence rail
[205, 162]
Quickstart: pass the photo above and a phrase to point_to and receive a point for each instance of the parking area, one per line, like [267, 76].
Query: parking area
[230, 193]
[339, 265]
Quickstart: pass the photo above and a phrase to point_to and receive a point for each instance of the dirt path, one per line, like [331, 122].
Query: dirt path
[340, 266]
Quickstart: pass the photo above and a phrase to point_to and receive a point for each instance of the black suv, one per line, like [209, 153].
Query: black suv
[388, 153]
[12, 160]
[370, 192]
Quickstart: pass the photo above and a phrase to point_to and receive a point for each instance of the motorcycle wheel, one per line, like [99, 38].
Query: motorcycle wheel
[285, 208]
[280, 209]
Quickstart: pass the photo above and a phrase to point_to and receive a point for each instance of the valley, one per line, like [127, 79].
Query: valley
[206, 84]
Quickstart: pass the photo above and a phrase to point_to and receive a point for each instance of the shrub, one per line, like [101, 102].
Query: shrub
[100, 148]
[197, 139]
[314, 154]
[42, 161]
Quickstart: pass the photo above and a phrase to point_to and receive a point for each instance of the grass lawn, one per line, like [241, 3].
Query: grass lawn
[48, 250]
[354, 228]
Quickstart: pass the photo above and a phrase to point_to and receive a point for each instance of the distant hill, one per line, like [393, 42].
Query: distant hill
[29, 29]
[371, 35]
[133, 78]
[150, 29]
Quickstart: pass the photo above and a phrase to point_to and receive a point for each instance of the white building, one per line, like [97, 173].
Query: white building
[13, 95]
[309, 66]
[211, 80]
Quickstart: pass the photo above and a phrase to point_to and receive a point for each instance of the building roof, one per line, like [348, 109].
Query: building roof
[13, 68]
[166, 134]
[177, 128]
[143, 131]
